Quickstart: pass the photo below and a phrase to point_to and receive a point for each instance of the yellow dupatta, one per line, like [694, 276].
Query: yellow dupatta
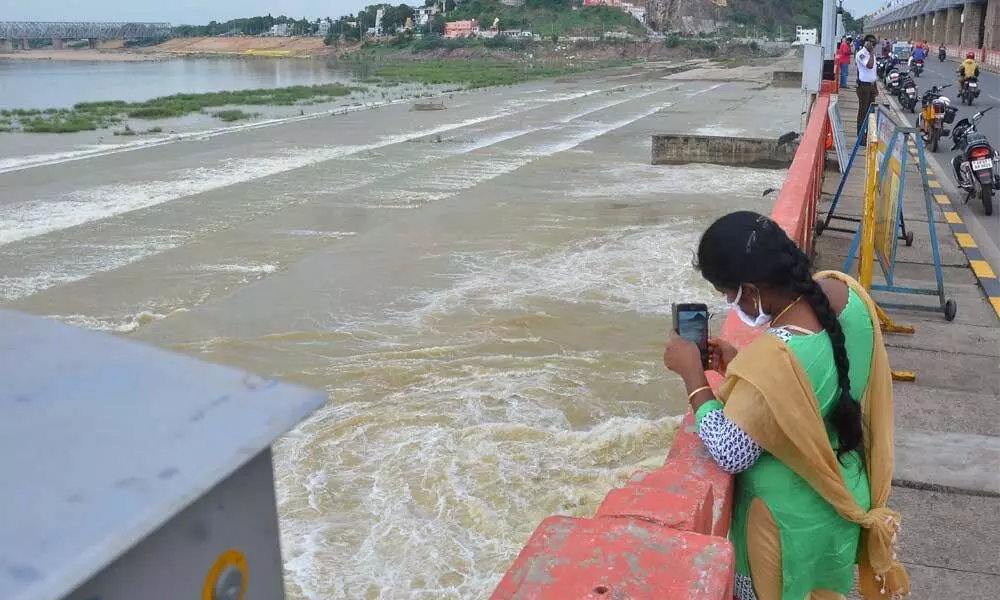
[768, 394]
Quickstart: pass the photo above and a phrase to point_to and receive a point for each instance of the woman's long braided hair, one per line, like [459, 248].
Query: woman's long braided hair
[748, 248]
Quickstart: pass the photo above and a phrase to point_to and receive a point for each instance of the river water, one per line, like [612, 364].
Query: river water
[483, 291]
[56, 84]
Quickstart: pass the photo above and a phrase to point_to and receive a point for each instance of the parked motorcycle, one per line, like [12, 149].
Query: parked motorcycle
[976, 165]
[893, 82]
[970, 90]
[883, 65]
[907, 92]
[936, 111]
[942, 53]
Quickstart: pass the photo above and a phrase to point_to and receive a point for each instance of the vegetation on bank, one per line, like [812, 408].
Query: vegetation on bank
[778, 18]
[482, 73]
[89, 116]
[372, 65]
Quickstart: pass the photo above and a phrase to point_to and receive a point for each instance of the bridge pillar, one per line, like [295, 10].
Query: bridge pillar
[57, 44]
[972, 26]
[918, 29]
[6, 45]
[991, 34]
[23, 44]
[953, 27]
[940, 20]
[927, 33]
[94, 43]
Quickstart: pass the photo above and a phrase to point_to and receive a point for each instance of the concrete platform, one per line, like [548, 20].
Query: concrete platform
[947, 422]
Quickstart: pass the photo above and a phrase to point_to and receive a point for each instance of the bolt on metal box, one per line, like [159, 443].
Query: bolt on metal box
[133, 473]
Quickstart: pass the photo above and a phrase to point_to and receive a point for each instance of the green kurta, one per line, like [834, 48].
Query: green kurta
[818, 547]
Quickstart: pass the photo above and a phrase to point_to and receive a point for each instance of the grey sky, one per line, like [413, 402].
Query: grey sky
[172, 11]
[859, 8]
[203, 11]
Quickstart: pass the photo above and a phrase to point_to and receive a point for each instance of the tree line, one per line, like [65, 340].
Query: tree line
[250, 26]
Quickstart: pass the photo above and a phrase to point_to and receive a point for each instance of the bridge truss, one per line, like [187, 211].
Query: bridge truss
[30, 30]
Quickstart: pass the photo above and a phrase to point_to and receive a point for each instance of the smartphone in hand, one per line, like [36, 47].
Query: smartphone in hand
[691, 323]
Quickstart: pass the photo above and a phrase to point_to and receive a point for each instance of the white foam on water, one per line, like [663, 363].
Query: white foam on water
[86, 263]
[91, 151]
[613, 103]
[719, 130]
[40, 216]
[129, 324]
[725, 183]
[635, 269]
[324, 234]
[252, 268]
[435, 504]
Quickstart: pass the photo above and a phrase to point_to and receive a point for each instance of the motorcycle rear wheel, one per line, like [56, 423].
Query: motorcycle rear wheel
[935, 136]
[987, 192]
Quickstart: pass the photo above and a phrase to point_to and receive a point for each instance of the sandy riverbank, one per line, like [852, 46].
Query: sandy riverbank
[84, 55]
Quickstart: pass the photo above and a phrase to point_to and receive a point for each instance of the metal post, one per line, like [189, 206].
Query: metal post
[827, 33]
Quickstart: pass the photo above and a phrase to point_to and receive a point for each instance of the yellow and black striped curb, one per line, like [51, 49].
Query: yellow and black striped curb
[986, 275]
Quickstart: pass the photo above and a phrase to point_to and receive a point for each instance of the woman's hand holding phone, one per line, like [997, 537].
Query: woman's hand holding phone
[720, 354]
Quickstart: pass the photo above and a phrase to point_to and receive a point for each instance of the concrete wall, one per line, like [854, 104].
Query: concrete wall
[733, 151]
[974, 24]
[786, 79]
[991, 33]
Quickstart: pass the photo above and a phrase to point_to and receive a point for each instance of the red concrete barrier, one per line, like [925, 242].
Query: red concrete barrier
[663, 535]
[576, 559]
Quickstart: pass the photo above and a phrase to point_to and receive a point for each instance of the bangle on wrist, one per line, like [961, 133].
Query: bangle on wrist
[698, 391]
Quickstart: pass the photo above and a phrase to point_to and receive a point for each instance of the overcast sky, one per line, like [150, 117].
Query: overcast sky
[171, 11]
[202, 11]
[858, 8]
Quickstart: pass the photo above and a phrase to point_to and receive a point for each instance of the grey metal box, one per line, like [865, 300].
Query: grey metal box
[132, 473]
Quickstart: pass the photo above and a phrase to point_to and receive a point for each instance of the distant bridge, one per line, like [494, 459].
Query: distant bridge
[31, 30]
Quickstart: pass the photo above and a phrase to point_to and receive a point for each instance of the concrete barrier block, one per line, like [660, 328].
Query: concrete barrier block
[673, 148]
[676, 499]
[618, 558]
[722, 484]
[786, 79]
[686, 441]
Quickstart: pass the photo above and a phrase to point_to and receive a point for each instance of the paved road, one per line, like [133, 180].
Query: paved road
[938, 73]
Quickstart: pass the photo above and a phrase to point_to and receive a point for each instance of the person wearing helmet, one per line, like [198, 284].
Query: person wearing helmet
[968, 69]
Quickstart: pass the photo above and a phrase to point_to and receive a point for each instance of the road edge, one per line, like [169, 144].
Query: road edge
[986, 274]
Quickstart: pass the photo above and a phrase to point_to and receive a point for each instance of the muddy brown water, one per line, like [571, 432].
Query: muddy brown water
[483, 291]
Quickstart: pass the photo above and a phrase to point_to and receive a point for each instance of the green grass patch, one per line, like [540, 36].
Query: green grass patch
[71, 124]
[483, 73]
[229, 116]
[88, 116]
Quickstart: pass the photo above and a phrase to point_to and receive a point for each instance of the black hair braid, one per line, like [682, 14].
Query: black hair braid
[744, 247]
[846, 414]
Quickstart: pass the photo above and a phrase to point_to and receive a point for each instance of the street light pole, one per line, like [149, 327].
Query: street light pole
[827, 33]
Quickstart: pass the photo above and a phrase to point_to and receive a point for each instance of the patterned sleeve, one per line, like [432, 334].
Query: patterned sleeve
[729, 445]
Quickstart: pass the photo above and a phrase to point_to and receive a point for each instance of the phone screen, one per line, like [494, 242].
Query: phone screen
[691, 323]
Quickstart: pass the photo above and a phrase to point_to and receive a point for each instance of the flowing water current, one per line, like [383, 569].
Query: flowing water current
[483, 291]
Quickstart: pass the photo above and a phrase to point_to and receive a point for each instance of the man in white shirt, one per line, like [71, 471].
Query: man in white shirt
[867, 92]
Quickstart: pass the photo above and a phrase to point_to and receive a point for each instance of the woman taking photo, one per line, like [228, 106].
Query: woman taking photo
[803, 419]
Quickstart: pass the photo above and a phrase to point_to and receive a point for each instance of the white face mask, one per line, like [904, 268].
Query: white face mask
[762, 317]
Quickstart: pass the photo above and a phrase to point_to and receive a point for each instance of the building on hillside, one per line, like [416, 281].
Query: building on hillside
[602, 2]
[512, 2]
[324, 28]
[805, 36]
[422, 15]
[460, 29]
[281, 30]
